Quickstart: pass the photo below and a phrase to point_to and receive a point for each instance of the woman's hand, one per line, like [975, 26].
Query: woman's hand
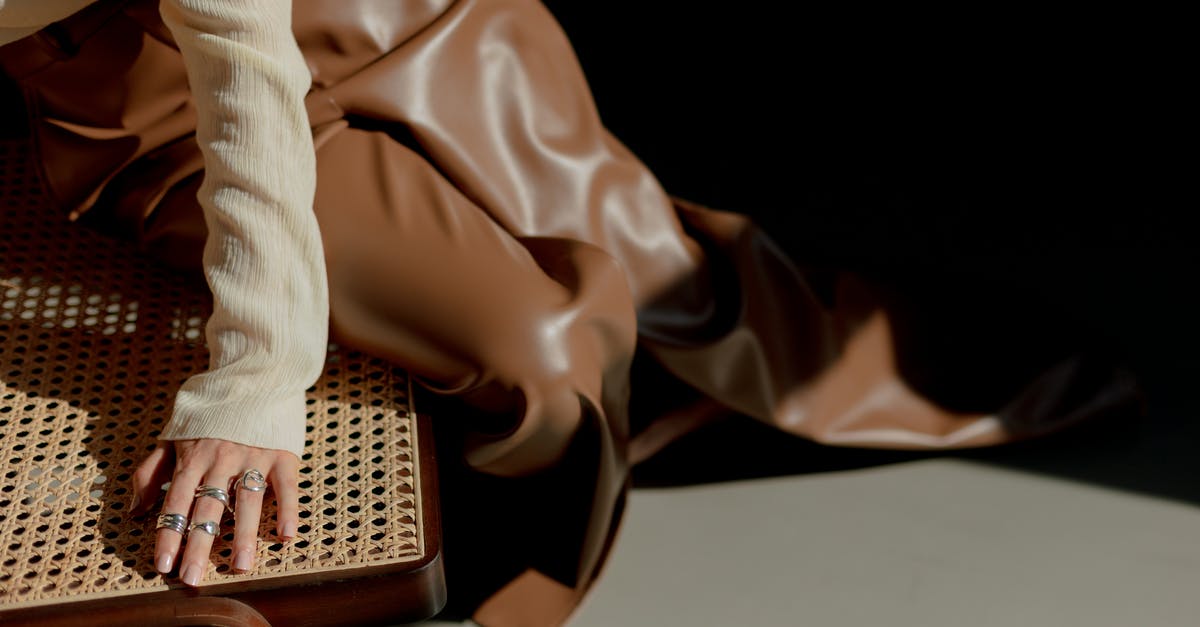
[216, 463]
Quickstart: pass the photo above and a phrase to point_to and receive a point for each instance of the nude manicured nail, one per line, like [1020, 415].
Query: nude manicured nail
[244, 560]
[164, 563]
[191, 575]
[289, 530]
[134, 502]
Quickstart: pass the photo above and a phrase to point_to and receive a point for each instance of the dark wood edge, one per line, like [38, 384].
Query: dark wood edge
[402, 592]
[216, 611]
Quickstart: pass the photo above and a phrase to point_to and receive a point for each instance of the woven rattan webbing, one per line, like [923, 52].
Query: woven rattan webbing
[94, 341]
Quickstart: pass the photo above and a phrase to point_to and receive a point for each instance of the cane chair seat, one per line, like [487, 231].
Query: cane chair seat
[94, 341]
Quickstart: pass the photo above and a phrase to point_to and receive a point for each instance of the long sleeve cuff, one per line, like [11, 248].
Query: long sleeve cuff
[209, 407]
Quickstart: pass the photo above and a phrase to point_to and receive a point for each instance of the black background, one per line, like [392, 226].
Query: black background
[1019, 175]
[1017, 160]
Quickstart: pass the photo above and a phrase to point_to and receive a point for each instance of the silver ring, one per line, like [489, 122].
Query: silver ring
[208, 526]
[252, 480]
[174, 522]
[213, 492]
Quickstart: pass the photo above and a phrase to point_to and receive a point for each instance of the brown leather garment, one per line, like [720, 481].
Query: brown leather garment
[483, 230]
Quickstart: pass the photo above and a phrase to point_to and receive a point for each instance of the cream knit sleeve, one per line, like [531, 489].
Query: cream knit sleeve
[263, 259]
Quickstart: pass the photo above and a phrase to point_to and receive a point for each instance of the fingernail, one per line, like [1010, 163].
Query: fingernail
[289, 530]
[244, 560]
[134, 502]
[191, 575]
[164, 563]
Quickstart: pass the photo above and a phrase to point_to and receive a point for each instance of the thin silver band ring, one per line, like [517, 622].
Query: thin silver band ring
[208, 526]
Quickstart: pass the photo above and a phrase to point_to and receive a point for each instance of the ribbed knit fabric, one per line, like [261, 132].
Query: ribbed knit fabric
[263, 258]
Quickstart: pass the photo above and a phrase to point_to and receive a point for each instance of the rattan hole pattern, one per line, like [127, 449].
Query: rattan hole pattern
[94, 341]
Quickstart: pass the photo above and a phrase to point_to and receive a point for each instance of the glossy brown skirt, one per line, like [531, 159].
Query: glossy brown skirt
[484, 231]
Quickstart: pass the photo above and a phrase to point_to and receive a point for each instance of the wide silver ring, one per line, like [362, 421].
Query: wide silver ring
[252, 480]
[213, 492]
[208, 526]
[174, 522]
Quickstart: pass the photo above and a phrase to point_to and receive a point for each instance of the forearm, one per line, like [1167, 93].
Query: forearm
[263, 258]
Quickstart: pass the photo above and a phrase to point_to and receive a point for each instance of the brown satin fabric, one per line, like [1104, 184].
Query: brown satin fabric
[483, 230]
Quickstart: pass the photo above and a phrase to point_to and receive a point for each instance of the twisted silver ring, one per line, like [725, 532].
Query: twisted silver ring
[207, 526]
[174, 522]
[252, 480]
[213, 492]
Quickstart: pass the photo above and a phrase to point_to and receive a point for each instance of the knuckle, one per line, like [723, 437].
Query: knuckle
[143, 475]
[287, 476]
[197, 549]
[249, 544]
[287, 467]
[177, 500]
[249, 505]
[191, 467]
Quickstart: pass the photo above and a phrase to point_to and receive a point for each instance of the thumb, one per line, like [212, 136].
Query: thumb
[149, 477]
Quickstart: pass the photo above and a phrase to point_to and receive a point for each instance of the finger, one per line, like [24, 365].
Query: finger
[195, 558]
[245, 530]
[149, 477]
[285, 480]
[178, 501]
